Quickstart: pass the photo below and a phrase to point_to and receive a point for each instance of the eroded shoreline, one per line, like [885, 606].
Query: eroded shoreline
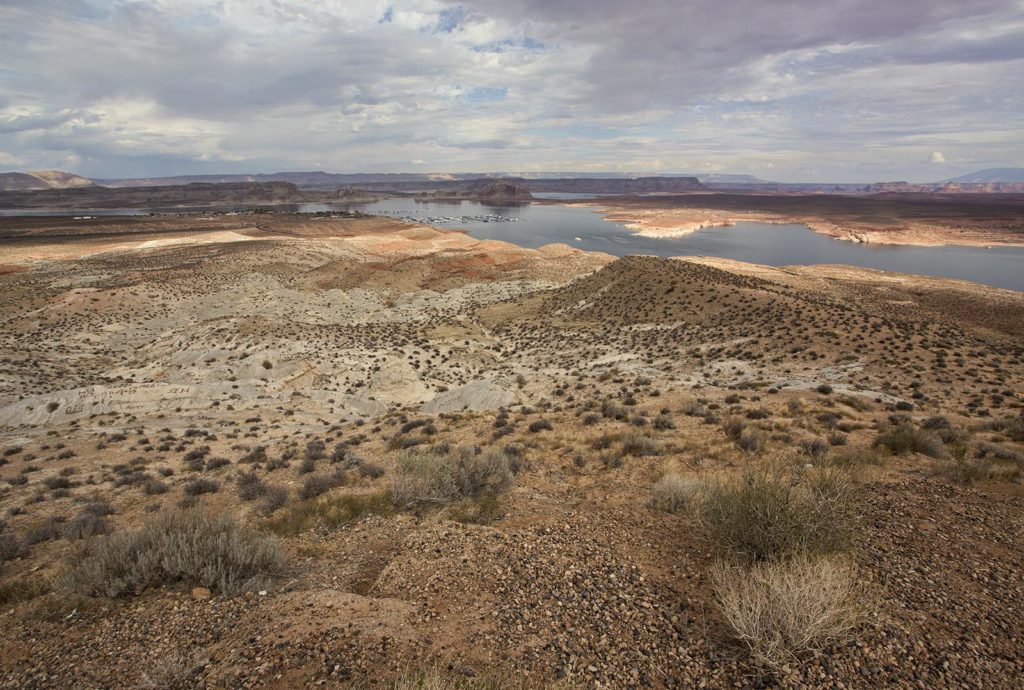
[680, 222]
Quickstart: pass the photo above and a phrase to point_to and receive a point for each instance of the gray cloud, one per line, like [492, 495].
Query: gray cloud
[852, 89]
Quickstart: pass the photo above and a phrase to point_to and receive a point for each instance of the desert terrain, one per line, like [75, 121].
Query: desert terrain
[329, 450]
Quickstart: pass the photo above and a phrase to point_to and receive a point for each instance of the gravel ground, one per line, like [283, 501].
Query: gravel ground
[607, 598]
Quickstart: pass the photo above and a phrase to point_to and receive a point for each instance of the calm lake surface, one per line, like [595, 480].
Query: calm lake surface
[533, 225]
[760, 243]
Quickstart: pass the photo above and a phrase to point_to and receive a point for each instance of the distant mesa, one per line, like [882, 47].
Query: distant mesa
[504, 190]
[523, 189]
[193, 194]
[500, 191]
[991, 181]
[42, 179]
[352, 194]
[898, 187]
[632, 185]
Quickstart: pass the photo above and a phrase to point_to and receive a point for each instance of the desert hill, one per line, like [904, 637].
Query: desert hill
[289, 450]
[989, 175]
[42, 179]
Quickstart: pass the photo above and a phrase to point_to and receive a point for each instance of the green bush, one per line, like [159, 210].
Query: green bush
[767, 514]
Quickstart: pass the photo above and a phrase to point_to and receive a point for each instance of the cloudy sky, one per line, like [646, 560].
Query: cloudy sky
[790, 90]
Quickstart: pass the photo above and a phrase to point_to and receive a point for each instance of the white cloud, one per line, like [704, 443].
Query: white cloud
[853, 89]
[936, 157]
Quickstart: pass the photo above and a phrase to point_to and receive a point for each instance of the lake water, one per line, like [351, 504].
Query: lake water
[760, 243]
[533, 225]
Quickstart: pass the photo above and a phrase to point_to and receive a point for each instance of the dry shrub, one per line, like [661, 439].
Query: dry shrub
[371, 470]
[614, 410]
[427, 477]
[663, 423]
[769, 514]
[638, 444]
[1014, 429]
[249, 486]
[194, 546]
[694, 408]
[906, 439]
[316, 484]
[674, 493]
[540, 425]
[86, 525]
[273, 498]
[784, 609]
[154, 486]
[10, 548]
[197, 487]
[747, 438]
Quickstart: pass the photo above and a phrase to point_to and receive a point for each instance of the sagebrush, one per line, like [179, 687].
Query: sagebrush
[196, 547]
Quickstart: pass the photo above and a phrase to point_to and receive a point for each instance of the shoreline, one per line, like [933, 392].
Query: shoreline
[673, 222]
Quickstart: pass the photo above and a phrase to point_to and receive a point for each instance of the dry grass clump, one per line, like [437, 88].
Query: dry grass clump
[771, 514]
[674, 493]
[782, 609]
[429, 477]
[173, 671]
[856, 458]
[194, 546]
[21, 589]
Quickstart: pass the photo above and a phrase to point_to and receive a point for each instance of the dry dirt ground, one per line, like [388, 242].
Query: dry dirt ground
[143, 359]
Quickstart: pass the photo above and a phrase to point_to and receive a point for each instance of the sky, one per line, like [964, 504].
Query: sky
[787, 90]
